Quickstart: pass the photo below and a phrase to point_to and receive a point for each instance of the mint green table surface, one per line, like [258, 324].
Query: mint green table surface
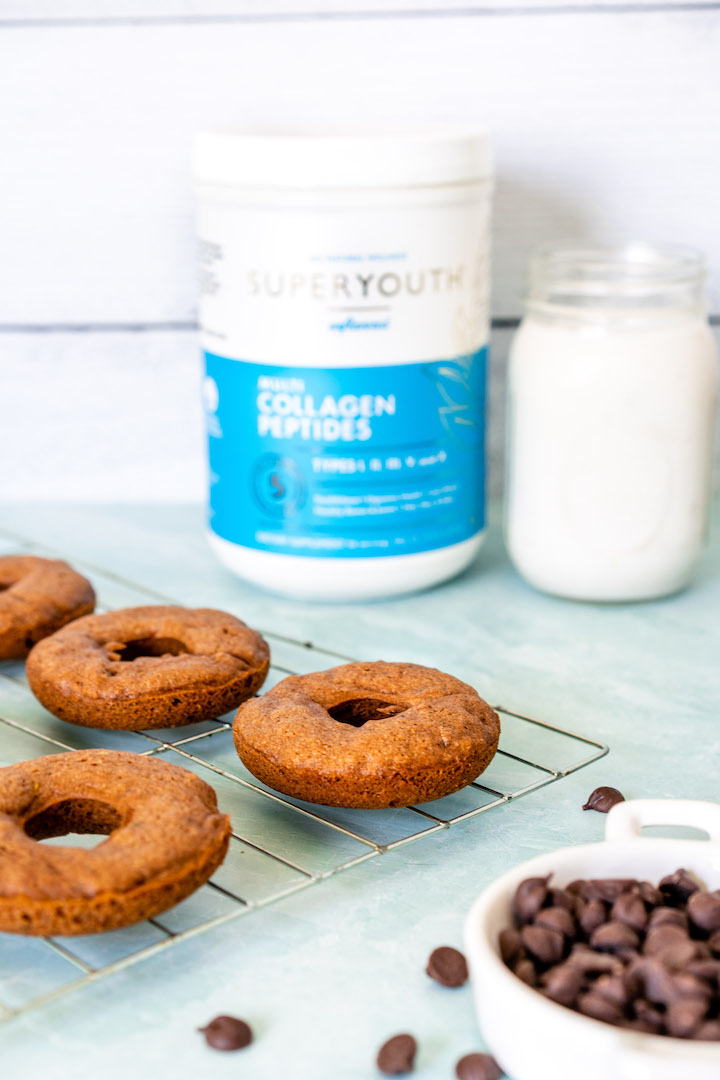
[326, 975]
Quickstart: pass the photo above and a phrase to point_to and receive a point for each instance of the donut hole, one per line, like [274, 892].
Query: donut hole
[150, 646]
[81, 817]
[358, 711]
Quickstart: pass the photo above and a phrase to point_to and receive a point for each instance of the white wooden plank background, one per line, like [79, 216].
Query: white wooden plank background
[605, 120]
[68, 10]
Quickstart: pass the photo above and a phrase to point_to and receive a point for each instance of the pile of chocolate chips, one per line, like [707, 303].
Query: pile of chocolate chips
[622, 951]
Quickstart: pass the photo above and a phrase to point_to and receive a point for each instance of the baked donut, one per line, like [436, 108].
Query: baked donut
[148, 667]
[166, 838]
[367, 735]
[37, 597]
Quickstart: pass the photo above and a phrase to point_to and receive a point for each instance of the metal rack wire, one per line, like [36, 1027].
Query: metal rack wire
[279, 845]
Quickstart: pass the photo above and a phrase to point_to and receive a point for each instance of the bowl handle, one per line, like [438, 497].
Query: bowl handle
[637, 1062]
[626, 820]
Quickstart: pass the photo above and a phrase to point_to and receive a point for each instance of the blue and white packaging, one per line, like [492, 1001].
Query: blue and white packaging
[344, 320]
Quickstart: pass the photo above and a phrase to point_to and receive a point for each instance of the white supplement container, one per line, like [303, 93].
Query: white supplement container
[612, 390]
[344, 319]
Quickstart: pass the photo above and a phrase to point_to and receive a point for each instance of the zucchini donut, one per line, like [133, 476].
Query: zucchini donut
[166, 838]
[37, 597]
[367, 735]
[148, 667]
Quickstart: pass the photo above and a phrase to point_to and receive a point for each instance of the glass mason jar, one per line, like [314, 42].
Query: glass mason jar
[612, 387]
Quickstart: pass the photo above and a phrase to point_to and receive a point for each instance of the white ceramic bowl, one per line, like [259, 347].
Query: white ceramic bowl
[534, 1038]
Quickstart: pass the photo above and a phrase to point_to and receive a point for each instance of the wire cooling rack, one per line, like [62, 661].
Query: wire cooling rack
[279, 845]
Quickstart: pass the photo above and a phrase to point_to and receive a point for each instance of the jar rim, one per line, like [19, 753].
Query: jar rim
[574, 271]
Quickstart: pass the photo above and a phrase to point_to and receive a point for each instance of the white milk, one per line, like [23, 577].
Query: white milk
[611, 416]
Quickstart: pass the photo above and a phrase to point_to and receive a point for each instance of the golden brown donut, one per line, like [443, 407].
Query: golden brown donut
[37, 597]
[166, 838]
[367, 735]
[148, 667]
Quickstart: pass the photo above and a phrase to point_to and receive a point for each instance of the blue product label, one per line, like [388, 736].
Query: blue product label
[347, 461]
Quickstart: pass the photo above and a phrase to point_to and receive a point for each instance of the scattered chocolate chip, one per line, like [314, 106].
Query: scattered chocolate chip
[614, 937]
[594, 914]
[397, 1055]
[630, 909]
[447, 966]
[545, 945]
[556, 918]
[510, 945]
[704, 911]
[607, 888]
[684, 1017]
[227, 1033]
[677, 887]
[714, 943]
[563, 983]
[478, 1067]
[603, 799]
[530, 896]
[576, 887]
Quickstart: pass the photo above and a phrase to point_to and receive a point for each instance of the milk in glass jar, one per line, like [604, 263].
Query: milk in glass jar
[611, 407]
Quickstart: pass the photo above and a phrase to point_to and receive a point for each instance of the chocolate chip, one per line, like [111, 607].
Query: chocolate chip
[650, 1017]
[614, 937]
[668, 916]
[677, 887]
[607, 888]
[576, 887]
[655, 979]
[510, 945]
[613, 988]
[704, 911]
[563, 983]
[684, 1017]
[227, 1033]
[649, 893]
[603, 799]
[546, 945]
[714, 943]
[478, 1067]
[397, 1055]
[599, 1007]
[630, 909]
[525, 970]
[709, 1031]
[530, 896]
[670, 945]
[556, 918]
[705, 969]
[447, 966]
[686, 985]
[562, 898]
[594, 963]
[593, 914]
[645, 1026]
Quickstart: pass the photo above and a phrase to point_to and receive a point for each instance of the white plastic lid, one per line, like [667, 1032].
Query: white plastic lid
[323, 159]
